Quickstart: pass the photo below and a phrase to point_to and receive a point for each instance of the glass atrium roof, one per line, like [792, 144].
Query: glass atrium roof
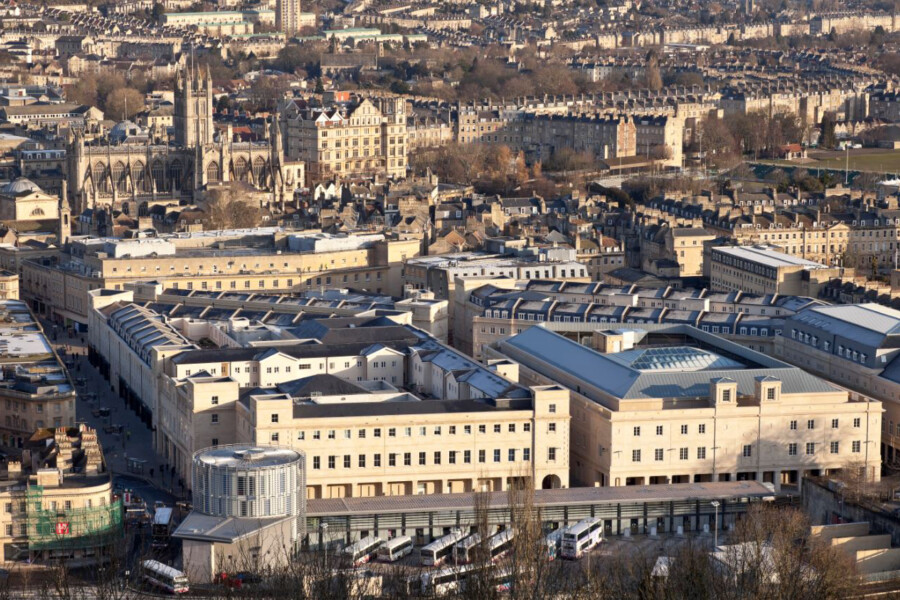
[674, 359]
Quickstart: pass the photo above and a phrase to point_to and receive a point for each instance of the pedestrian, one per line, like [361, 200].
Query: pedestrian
[151, 473]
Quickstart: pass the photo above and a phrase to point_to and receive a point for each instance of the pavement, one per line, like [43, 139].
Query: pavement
[135, 439]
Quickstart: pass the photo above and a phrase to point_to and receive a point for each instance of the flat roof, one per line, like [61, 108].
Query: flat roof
[330, 507]
[769, 258]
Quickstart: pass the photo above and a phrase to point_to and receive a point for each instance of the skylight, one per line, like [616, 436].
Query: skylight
[674, 359]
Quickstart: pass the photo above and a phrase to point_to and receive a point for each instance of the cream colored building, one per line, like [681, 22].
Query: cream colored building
[215, 261]
[760, 270]
[21, 200]
[36, 390]
[364, 138]
[317, 397]
[855, 346]
[654, 411]
[9, 286]
[370, 439]
[58, 499]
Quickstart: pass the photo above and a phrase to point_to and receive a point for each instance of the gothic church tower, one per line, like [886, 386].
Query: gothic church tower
[193, 118]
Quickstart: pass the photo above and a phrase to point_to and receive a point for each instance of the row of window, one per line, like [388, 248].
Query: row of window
[422, 430]
[770, 395]
[394, 458]
[747, 451]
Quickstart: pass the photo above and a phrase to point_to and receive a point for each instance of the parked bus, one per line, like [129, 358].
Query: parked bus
[165, 577]
[553, 542]
[464, 549]
[440, 550]
[362, 551]
[497, 546]
[162, 526]
[453, 580]
[501, 544]
[395, 548]
[581, 537]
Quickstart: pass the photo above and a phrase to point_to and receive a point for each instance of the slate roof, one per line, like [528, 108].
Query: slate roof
[621, 381]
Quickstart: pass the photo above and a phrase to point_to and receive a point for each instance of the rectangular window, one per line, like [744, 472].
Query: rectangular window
[362, 461]
[482, 456]
[331, 434]
[512, 427]
[275, 418]
[635, 456]
[637, 431]
[835, 447]
[392, 432]
[453, 430]
[392, 460]
[855, 446]
[451, 457]
[214, 418]
[810, 448]
[317, 434]
[437, 457]
[701, 428]
[551, 427]
[467, 456]
[770, 393]
[331, 462]
[684, 429]
[726, 395]
[794, 425]
[482, 429]
[811, 424]
[467, 429]
[376, 460]
[497, 428]
[701, 452]
[526, 427]
[748, 450]
[511, 455]
[792, 449]
[526, 454]
[658, 454]
[346, 461]
[422, 458]
[682, 453]
[856, 422]
[407, 459]
[659, 430]
[551, 454]
[496, 456]
[552, 408]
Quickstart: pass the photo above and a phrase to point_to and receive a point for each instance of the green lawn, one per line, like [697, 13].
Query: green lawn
[880, 162]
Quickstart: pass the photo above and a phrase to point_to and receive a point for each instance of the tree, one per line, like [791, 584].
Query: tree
[124, 102]
[224, 210]
[829, 140]
[654, 78]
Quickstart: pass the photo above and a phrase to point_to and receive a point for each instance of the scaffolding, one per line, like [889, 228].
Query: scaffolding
[69, 529]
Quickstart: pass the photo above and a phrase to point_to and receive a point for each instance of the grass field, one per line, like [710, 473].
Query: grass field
[876, 162]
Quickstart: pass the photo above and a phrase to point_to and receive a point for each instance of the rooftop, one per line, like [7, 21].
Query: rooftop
[245, 456]
[667, 370]
[768, 258]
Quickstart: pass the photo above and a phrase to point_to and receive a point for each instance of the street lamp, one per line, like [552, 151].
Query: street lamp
[715, 505]
[456, 533]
